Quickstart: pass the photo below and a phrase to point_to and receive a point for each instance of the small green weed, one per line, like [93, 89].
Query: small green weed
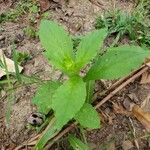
[143, 8]
[76, 41]
[72, 99]
[22, 7]
[22, 57]
[121, 23]
[30, 32]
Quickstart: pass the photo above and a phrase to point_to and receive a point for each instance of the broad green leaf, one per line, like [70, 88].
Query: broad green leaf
[89, 47]
[117, 62]
[88, 117]
[43, 97]
[68, 99]
[77, 144]
[58, 44]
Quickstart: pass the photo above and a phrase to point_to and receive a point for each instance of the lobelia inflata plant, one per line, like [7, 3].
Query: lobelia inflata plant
[72, 99]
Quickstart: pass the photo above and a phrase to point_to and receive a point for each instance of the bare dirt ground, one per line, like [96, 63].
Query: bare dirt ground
[78, 18]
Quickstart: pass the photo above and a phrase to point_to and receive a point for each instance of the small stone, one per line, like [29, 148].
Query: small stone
[19, 38]
[36, 119]
[128, 104]
[2, 38]
[56, 1]
[107, 110]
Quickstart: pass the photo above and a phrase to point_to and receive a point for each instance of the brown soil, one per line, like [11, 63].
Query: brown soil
[78, 17]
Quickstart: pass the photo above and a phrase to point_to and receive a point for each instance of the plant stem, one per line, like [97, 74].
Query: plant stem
[83, 135]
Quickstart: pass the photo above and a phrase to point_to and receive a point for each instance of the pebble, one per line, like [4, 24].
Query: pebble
[56, 1]
[127, 145]
[36, 119]
[2, 37]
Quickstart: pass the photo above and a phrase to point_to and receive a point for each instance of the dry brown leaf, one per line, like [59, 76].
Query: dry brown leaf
[145, 78]
[145, 75]
[148, 64]
[44, 5]
[10, 65]
[111, 146]
[127, 145]
[110, 120]
[146, 104]
[143, 117]
[147, 60]
[133, 97]
[118, 109]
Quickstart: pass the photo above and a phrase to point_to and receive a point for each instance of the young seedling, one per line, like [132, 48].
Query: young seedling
[71, 99]
[22, 7]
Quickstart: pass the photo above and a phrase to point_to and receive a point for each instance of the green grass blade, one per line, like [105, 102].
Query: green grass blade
[16, 65]
[10, 95]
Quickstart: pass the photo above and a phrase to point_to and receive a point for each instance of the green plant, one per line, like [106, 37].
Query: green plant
[121, 23]
[30, 32]
[142, 13]
[76, 41]
[143, 7]
[22, 7]
[70, 100]
[22, 57]
[45, 15]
